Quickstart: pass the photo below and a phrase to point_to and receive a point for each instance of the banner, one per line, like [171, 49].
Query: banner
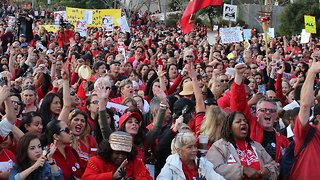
[58, 15]
[230, 35]
[73, 14]
[51, 28]
[310, 24]
[229, 12]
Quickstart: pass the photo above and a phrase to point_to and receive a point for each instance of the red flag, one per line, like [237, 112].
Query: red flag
[193, 7]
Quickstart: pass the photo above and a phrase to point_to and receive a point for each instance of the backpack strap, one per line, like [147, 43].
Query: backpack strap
[307, 140]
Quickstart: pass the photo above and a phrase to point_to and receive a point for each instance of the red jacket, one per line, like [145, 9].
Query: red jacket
[238, 102]
[98, 169]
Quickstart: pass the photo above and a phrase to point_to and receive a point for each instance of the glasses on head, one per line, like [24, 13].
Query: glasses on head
[224, 80]
[264, 110]
[16, 103]
[66, 130]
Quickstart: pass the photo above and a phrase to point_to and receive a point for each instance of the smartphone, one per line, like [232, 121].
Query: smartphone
[262, 89]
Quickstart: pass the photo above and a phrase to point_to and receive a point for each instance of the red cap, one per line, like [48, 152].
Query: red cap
[128, 115]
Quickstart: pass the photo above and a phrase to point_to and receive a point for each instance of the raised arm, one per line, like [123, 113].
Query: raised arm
[307, 94]
[155, 130]
[103, 95]
[64, 114]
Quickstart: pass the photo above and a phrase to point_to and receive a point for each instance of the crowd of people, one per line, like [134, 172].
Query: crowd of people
[168, 95]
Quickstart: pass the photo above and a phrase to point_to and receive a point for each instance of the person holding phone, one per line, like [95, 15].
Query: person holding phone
[116, 159]
[34, 163]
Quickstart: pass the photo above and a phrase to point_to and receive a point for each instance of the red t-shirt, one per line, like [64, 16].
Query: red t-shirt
[308, 160]
[86, 151]
[70, 165]
[190, 174]
[247, 156]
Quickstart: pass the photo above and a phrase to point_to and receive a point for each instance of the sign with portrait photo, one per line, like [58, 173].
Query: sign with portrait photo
[229, 12]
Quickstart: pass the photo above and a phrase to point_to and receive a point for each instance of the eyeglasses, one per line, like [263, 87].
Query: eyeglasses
[224, 80]
[95, 102]
[66, 130]
[264, 110]
[189, 56]
[17, 103]
[72, 93]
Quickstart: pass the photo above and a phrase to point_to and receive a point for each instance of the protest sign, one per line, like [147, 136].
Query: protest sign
[51, 28]
[73, 14]
[305, 36]
[246, 34]
[58, 15]
[107, 23]
[229, 12]
[118, 110]
[271, 32]
[123, 23]
[11, 21]
[81, 27]
[310, 24]
[230, 35]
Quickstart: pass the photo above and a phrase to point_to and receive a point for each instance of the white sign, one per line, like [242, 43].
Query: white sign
[81, 27]
[305, 36]
[118, 109]
[107, 23]
[271, 33]
[87, 17]
[58, 15]
[123, 23]
[229, 12]
[11, 21]
[246, 34]
[230, 35]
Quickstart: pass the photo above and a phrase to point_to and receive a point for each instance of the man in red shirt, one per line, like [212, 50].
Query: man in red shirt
[261, 127]
[308, 160]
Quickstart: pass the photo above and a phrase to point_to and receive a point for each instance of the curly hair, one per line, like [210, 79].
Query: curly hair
[226, 131]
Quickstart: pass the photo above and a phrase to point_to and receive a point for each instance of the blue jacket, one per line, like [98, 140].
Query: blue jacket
[44, 173]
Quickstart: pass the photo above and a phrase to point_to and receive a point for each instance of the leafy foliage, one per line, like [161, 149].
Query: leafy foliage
[292, 18]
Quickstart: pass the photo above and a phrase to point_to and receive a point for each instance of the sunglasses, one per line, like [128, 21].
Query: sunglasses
[66, 130]
[224, 80]
[72, 93]
[189, 56]
[17, 103]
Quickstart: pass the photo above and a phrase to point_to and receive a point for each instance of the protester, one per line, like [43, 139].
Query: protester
[184, 164]
[116, 159]
[236, 156]
[34, 163]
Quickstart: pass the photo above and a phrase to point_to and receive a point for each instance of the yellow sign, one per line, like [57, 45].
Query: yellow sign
[73, 14]
[49, 28]
[310, 24]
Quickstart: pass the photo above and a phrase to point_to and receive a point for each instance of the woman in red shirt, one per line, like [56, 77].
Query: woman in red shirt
[82, 142]
[116, 159]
